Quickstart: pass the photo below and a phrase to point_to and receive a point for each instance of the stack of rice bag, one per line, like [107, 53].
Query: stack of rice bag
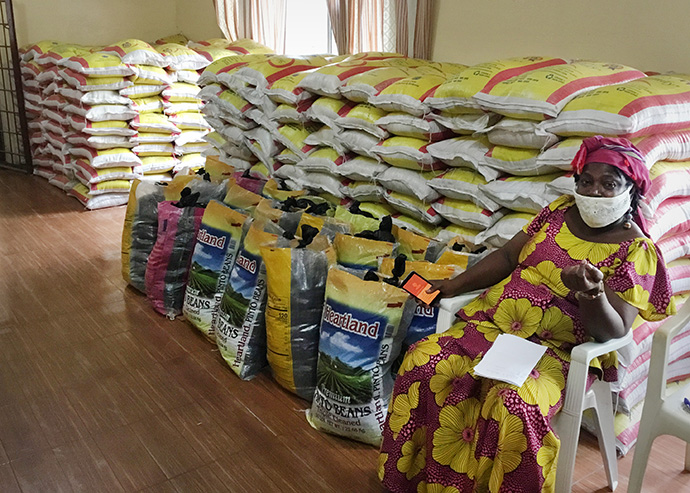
[101, 116]
[154, 96]
[309, 123]
[555, 107]
[85, 120]
[387, 131]
[666, 207]
[183, 106]
[47, 122]
[250, 132]
[515, 180]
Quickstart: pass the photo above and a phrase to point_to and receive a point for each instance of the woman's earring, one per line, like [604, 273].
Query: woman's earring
[628, 220]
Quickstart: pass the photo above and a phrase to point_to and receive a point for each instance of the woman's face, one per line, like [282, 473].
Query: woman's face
[600, 180]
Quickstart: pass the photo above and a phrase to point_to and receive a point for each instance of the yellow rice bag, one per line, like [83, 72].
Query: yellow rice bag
[327, 80]
[136, 52]
[361, 253]
[412, 206]
[98, 65]
[455, 233]
[364, 117]
[179, 39]
[91, 83]
[455, 94]
[248, 46]
[544, 92]
[409, 95]
[286, 91]
[263, 73]
[466, 213]
[363, 86]
[647, 106]
[182, 58]
[407, 152]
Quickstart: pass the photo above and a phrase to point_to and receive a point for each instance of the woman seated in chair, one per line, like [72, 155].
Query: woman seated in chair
[582, 269]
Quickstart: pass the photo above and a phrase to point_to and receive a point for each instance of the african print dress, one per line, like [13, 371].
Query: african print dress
[449, 431]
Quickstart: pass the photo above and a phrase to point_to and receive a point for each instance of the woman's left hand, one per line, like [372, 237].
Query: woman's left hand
[582, 277]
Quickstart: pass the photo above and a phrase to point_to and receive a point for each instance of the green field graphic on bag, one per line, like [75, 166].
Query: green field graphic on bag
[362, 329]
[214, 255]
[240, 322]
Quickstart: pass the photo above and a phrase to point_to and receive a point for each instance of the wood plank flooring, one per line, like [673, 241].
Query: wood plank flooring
[100, 394]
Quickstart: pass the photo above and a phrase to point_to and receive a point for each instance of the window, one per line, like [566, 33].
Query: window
[308, 30]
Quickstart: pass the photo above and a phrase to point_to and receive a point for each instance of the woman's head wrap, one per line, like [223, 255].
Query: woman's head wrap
[622, 154]
[617, 152]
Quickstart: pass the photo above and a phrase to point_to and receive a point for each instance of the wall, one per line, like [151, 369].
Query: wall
[93, 22]
[648, 35]
[197, 19]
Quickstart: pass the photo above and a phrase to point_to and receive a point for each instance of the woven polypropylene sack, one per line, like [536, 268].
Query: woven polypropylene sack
[455, 95]
[522, 193]
[168, 264]
[364, 323]
[543, 92]
[240, 323]
[652, 105]
[214, 255]
[296, 280]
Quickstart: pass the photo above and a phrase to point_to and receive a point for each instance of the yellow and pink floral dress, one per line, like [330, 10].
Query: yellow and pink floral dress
[449, 431]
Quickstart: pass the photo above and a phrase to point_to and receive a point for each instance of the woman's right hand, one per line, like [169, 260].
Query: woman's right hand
[447, 287]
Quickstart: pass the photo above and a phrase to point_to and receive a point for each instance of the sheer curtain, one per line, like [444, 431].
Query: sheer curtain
[413, 27]
[338, 12]
[358, 25]
[404, 26]
[367, 26]
[261, 20]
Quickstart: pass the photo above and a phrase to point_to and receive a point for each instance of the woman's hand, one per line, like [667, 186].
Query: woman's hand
[603, 317]
[447, 288]
[583, 277]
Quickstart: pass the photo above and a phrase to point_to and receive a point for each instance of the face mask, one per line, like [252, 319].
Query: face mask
[598, 212]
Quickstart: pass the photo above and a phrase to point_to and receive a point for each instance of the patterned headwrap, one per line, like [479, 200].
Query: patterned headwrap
[617, 152]
[622, 154]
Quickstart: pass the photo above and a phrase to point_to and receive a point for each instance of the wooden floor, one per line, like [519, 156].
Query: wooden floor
[100, 394]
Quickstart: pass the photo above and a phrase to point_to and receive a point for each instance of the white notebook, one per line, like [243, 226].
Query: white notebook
[510, 359]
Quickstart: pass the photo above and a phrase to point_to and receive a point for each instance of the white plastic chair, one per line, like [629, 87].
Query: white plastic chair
[567, 422]
[661, 414]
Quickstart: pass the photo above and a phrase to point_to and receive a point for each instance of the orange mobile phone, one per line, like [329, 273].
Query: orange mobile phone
[416, 285]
